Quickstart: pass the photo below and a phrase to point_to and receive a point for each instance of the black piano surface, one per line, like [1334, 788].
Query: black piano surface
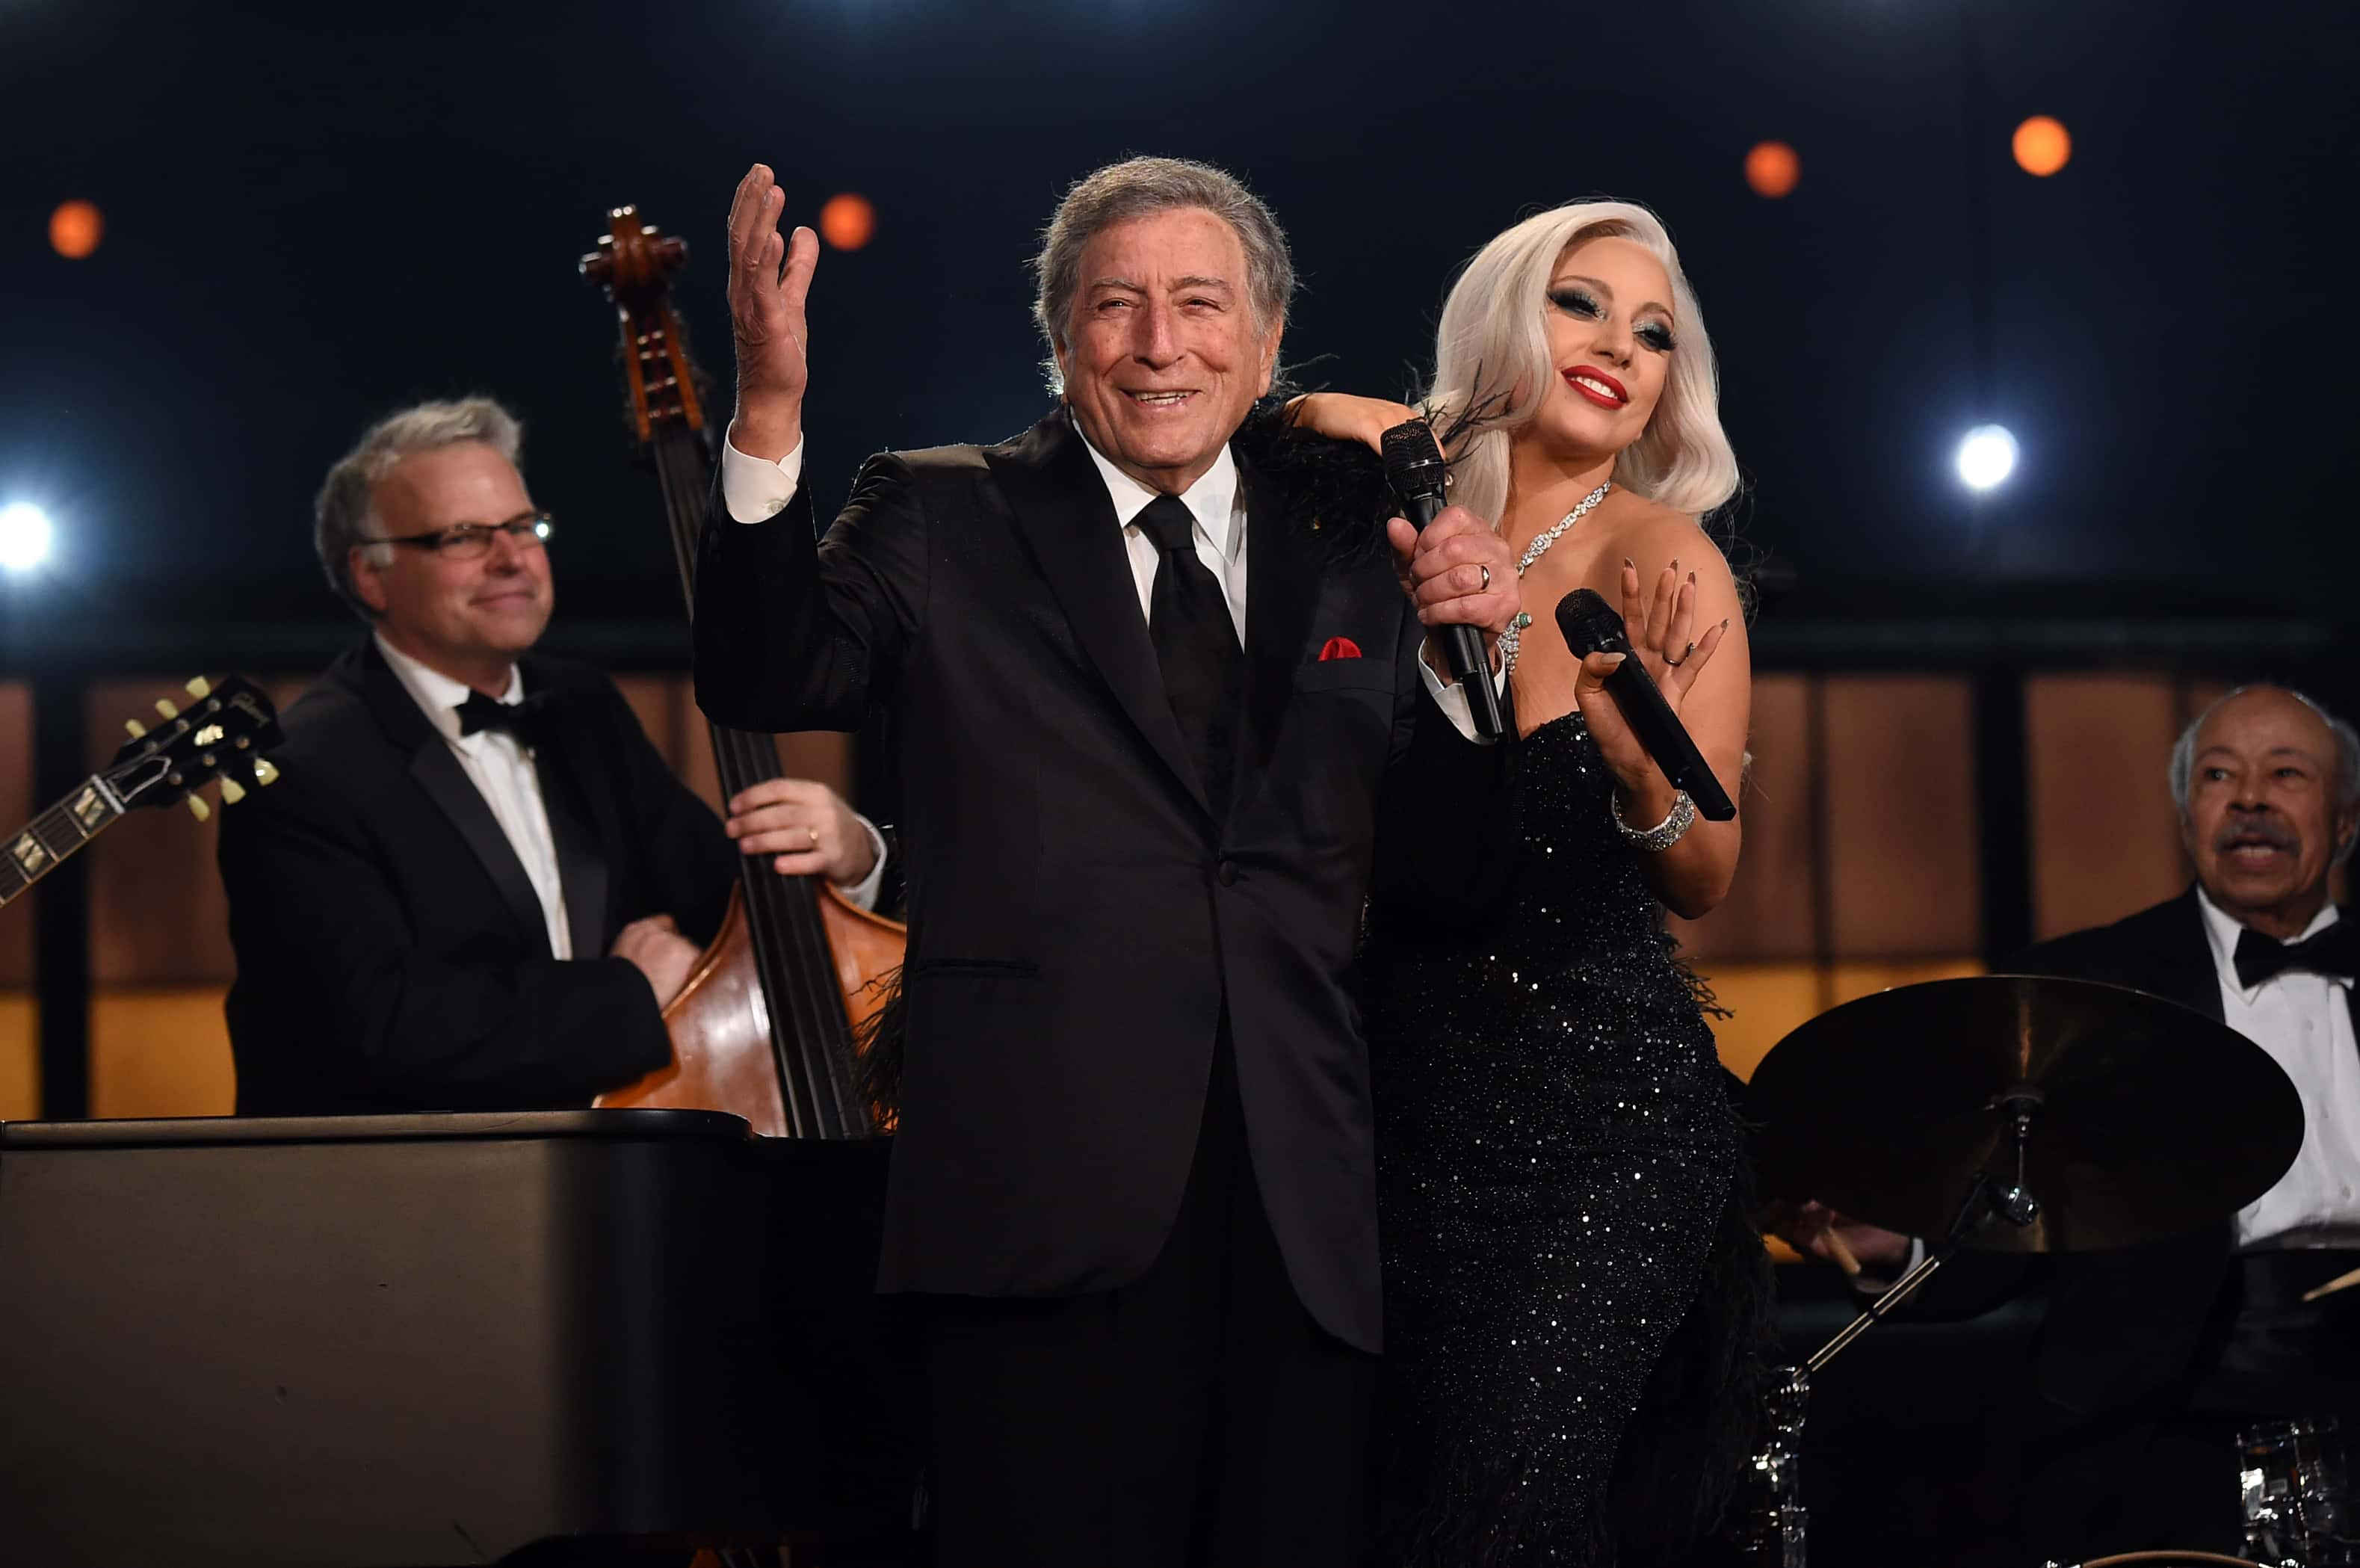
[412, 1341]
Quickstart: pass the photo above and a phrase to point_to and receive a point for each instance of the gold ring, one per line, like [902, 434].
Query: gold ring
[813, 832]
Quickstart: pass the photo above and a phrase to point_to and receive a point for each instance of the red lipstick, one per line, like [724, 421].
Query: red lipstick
[1591, 372]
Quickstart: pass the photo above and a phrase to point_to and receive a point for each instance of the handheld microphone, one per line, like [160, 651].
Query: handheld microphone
[1591, 626]
[1414, 464]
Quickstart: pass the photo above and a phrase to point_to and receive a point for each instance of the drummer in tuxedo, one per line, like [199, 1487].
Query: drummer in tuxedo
[2153, 1358]
[476, 883]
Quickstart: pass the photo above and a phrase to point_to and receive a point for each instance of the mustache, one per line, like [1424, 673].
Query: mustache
[2257, 830]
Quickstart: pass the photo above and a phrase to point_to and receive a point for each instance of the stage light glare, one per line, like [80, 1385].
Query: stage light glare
[2041, 145]
[846, 221]
[1986, 457]
[25, 536]
[75, 229]
[1773, 168]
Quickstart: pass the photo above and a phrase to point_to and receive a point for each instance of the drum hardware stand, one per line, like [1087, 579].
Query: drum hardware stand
[1987, 1201]
[1773, 1533]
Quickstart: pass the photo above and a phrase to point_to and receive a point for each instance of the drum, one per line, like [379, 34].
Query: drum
[2301, 1509]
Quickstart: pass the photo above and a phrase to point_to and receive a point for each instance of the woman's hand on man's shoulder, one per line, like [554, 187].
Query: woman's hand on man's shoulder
[1343, 417]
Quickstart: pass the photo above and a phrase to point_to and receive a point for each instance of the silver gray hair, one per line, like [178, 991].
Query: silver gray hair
[2347, 755]
[1138, 187]
[345, 514]
[1492, 347]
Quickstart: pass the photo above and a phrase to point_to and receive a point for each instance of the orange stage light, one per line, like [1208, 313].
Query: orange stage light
[1771, 168]
[2041, 145]
[847, 221]
[75, 228]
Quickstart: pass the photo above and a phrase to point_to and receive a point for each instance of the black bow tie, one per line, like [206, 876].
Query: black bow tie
[532, 721]
[2335, 952]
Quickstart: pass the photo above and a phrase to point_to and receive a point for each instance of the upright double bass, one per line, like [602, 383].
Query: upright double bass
[766, 1026]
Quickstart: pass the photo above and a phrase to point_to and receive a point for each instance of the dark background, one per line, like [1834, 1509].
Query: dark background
[318, 214]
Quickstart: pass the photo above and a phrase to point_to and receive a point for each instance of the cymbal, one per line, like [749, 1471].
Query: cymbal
[2151, 1120]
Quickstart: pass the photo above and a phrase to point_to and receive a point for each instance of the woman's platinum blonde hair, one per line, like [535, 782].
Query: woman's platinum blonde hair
[1493, 345]
[345, 514]
[1138, 187]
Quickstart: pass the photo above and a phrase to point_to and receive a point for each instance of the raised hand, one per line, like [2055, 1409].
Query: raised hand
[1661, 628]
[770, 280]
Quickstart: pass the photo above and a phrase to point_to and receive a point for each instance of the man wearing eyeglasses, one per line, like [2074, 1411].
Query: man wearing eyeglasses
[477, 883]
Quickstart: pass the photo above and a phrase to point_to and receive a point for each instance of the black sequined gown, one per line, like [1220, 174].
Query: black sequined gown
[1559, 1184]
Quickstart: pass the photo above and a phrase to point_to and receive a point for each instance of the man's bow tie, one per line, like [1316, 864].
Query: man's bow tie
[2335, 952]
[532, 721]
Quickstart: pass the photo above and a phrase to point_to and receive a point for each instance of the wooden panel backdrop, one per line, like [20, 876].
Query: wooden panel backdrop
[1859, 868]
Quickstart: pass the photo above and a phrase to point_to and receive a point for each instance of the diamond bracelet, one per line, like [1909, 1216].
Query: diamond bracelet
[1664, 834]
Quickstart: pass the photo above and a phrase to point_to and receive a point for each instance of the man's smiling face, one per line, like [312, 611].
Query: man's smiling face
[1164, 353]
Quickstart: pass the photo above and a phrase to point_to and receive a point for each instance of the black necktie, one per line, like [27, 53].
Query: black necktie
[2335, 952]
[530, 720]
[1196, 644]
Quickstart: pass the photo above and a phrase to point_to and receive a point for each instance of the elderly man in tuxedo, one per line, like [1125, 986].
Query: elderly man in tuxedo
[2152, 1357]
[477, 883]
[1149, 722]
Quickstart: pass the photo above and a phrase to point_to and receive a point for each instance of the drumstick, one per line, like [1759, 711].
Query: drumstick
[1841, 1256]
[2332, 1286]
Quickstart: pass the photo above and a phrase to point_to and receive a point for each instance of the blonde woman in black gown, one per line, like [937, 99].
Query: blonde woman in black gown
[1571, 1273]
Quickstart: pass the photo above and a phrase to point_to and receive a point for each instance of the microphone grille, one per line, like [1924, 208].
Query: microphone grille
[1588, 622]
[1409, 446]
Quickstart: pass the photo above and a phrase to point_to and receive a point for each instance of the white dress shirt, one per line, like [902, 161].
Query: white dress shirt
[502, 773]
[2304, 1020]
[756, 490]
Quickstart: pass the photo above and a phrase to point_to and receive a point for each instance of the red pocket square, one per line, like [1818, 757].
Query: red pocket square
[1338, 648]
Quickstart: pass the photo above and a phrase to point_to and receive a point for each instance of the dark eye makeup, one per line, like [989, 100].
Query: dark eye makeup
[1583, 304]
[1576, 302]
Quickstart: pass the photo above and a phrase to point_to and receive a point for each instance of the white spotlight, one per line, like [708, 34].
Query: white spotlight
[1986, 456]
[26, 535]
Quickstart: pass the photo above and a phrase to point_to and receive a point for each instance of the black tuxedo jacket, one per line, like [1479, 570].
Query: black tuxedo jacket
[2119, 1345]
[1079, 924]
[2123, 1325]
[391, 953]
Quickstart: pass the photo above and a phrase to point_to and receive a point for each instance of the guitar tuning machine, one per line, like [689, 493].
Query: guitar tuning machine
[198, 808]
[137, 729]
[264, 773]
[199, 686]
[232, 792]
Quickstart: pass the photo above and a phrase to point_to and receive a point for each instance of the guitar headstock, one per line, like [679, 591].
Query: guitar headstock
[634, 263]
[222, 734]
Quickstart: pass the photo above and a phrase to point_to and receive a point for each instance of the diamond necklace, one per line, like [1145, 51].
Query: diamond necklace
[1509, 639]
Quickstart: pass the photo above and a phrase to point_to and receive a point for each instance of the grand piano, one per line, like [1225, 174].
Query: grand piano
[409, 1341]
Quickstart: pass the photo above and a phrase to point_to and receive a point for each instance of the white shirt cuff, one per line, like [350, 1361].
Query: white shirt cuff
[862, 895]
[1868, 1284]
[1453, 701]
[756, 489]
